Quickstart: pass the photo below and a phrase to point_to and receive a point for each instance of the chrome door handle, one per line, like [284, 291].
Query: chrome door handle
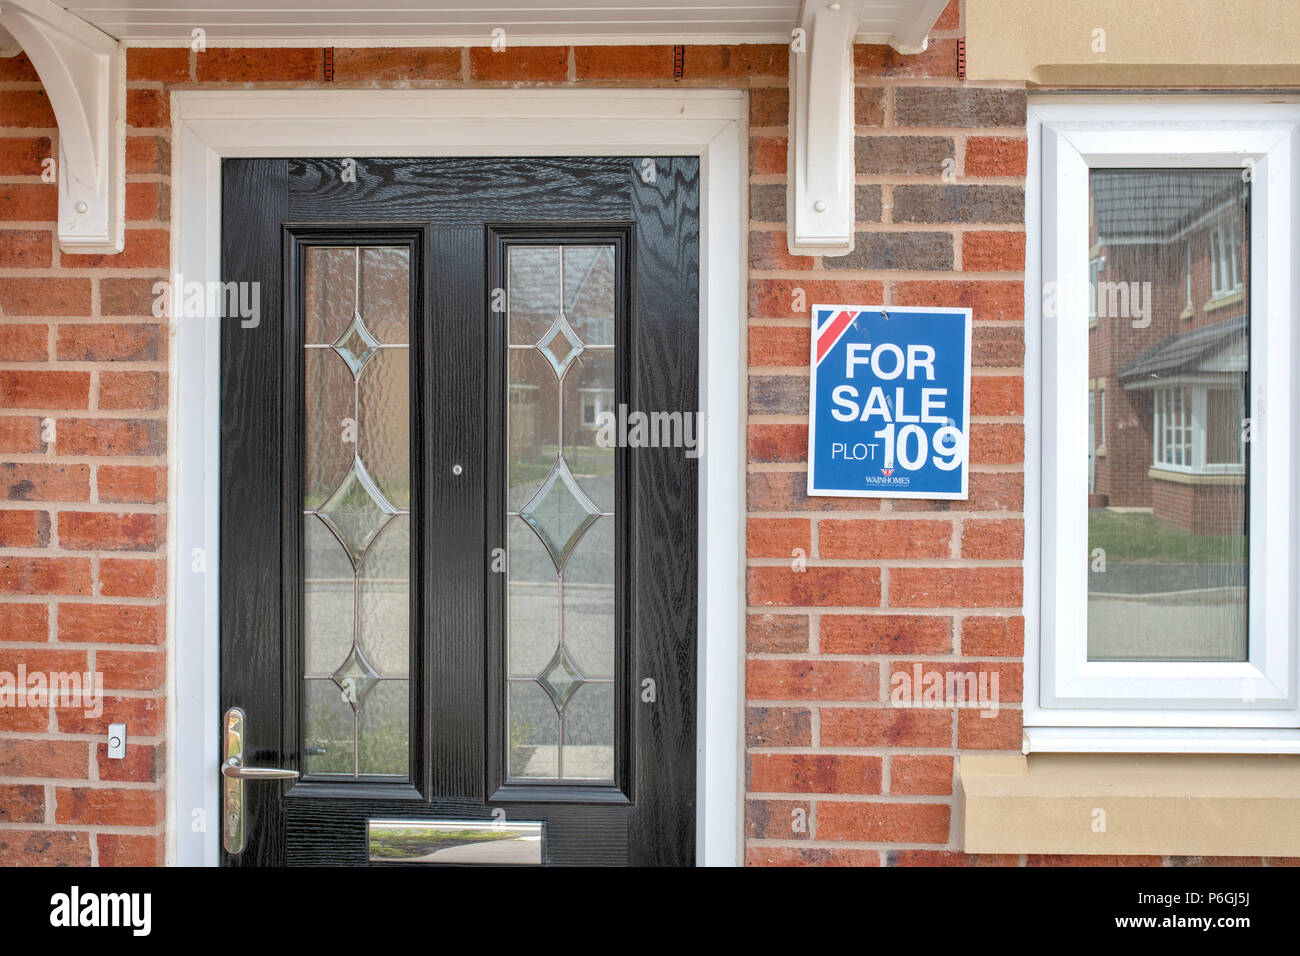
[233, 774]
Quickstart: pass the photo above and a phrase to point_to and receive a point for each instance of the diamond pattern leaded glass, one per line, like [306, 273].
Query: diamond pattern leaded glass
[561, 678]
[356, 345]
[356, 512]
[355, 677]
[560, 345]
[560, 513]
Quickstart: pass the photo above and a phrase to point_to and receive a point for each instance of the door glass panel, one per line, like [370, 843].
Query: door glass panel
[356, 512]
[560, 618]
[1168, 514]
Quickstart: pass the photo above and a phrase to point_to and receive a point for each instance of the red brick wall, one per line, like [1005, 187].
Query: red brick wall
[888, 583]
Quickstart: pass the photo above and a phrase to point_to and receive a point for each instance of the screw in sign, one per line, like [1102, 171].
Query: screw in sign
[889, 402]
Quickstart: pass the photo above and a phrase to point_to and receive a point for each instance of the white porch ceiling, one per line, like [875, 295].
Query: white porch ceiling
[904, 23]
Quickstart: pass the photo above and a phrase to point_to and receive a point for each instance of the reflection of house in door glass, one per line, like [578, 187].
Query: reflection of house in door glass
[1169, 361]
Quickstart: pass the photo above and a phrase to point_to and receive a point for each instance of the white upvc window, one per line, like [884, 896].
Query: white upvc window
[1201, 525]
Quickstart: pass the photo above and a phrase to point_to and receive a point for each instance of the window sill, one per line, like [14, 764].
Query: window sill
[1164, 804]
[1187, 313]
[1223, 301]
[1196, 478]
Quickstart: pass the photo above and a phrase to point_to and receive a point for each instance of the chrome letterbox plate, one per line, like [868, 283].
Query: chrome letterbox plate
[456, 841]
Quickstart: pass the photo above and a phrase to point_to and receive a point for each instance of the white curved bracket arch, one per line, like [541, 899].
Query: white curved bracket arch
[84, 74]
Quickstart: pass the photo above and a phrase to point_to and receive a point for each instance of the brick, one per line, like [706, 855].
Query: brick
[24, 529]
[788, 491]
[143, 715]
[994, 539]
[955, 587]
[997, 348]
[769, 107]
[770, 250]
[778, 537]
[135, 391]
[24, 622]
[32, 481]
[44, 848]
[21, 803]
[986, 299]
[111, 436]
[967, 679]
[18, 67]
[134, 297]
[780, 298]
[27, 109]
[767, 202]
[144, 249]
[1065, 859]
[997, 395]
[261, 65]
[104, 531]
[144, 201]
[944, 106]
[767, 155]
[44, 296]
[143, 763]
[44, 389]
[920, 774]
[908, 251]
[903, 155]
[41, 659]
[129, 849]
[778, 727]
[519, 64]
[774, 633]
[737, 61]
[132, 577]
[112, 623]
[773, 443]
[34, 202]
[885, 634]
[25, 720]
[814, 587]
[997, 444]
[108, 807]
[811, 680]
[1216, 861]
[872, 538]
[147, 154]
[26, 248]
[650, 62]
[44, 575]
[22, 156]
[809, 856]
[132, 670]
[778, 394]
[44, 758]
[396, 65]
[24, 343]
[777, 819]
[998, 251]
[814, 773]
[950, 19]
[148, 109]
[1002, 491]
[872, 60]
[996, 156]
[145, 484]
[928, 203]
[883, 822]
[868, 203]
[1003, 731]
[993, 636]
[160, 64]
[885, 727]
[869, 106]
[778, 346]
[948, 858]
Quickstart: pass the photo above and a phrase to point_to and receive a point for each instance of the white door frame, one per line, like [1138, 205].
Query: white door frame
[211, 125]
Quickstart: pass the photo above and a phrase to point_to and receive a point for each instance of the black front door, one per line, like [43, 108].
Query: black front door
[458, 510]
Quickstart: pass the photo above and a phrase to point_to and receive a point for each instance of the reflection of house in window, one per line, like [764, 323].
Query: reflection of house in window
[1169, 438]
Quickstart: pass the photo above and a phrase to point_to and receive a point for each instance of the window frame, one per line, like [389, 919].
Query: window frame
[1072, 703]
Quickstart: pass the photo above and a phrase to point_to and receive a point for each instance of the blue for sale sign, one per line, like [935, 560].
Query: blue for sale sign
[890, 402]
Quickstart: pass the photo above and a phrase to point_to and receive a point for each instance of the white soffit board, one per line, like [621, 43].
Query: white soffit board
[471, 22]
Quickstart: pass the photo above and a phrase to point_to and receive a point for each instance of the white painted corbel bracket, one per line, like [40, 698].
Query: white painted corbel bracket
[820, 193]
[84, 74]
